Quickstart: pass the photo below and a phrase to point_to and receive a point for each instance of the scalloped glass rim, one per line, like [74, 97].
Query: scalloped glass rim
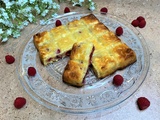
[90, 99]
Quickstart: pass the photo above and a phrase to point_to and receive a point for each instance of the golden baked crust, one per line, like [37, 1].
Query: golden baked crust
[110, 53]
[76, 68]
[107, 61]
[53, 45]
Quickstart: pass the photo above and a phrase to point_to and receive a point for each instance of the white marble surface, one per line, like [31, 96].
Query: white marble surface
[10, 86]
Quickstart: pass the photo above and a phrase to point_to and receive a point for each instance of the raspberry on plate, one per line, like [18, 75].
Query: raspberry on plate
[19, 102]
[143, 103]
[31, 71]
[117, 80]
[119, 31]
[58, 23]
[9, 59]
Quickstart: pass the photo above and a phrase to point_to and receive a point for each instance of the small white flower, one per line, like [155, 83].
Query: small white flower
[2, 21]
[47, 1]
[42, 22]
[31, 1]
[1, 31]
[13, 16]
[54, 15]
[44, 13]
[22, 2]
[5, 15]
[9, 32]
[25, 23]
[92, 3]
[20, 27]
[56, 6]
[8, 23]
[37, 9]
[27, 9]
[2, 10]
[92, 8]
[30, 17]
[81, 0]
[16, 34]
[8, 4]
[5, 1]
[4, 39]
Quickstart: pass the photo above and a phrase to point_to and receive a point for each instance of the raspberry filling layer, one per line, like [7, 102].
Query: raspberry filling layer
[59, 55]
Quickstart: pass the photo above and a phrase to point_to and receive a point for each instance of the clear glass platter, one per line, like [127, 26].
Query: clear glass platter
[48, 89]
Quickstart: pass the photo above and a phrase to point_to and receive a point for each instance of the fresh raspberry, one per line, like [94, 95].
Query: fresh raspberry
[143, 103]
[31, 71]
[117, 80]
[140, 18]
[19, 102]
[104, 10]
[58, 23]
[119, 31]
[9, 59]
[135, 23]
[142, 24]
[66, 10]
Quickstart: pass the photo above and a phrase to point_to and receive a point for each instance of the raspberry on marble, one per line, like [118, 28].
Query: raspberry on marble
[135, 23]
[66, 10]
[143, 103]
[19, 102]
[9, 59]
[142, 24]
[104, 10]
[140, 18]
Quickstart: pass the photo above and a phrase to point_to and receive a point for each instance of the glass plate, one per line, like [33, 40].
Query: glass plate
[48, 89]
